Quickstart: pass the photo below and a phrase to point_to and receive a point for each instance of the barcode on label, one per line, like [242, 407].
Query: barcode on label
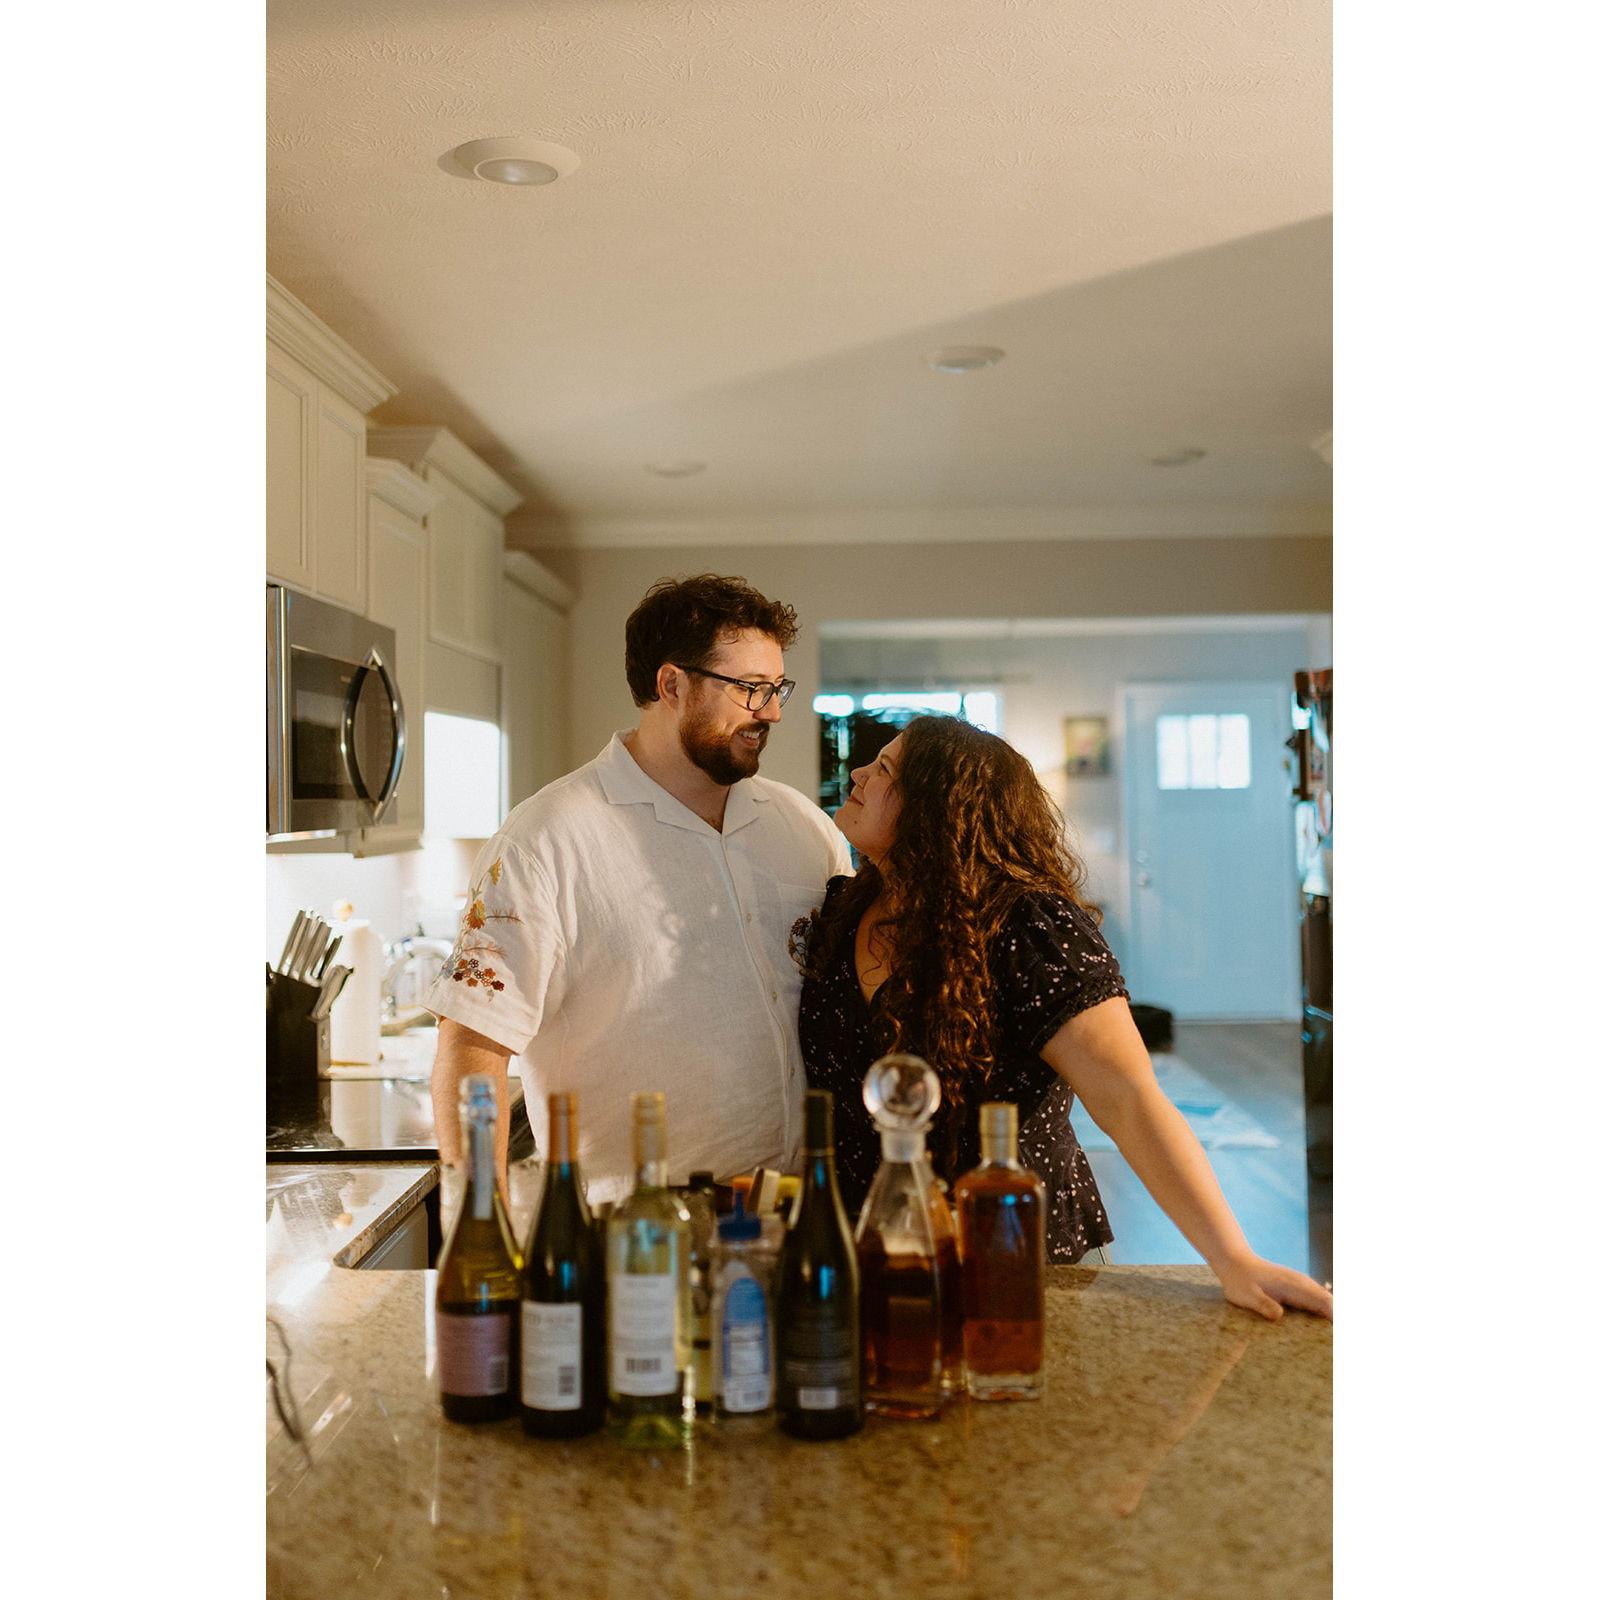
[818, 1399]
[567, 1382]
[644, 1364]
[499, 1372]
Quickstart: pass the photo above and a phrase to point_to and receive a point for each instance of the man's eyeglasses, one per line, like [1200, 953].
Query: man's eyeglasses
[757, 696]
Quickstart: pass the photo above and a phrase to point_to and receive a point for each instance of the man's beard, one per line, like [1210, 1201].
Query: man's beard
[723, 758]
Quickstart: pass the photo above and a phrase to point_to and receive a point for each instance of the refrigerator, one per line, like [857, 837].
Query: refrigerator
[1313, 805]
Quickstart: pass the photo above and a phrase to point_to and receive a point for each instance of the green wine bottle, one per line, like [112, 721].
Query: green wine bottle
[475, 1298]
[563, 1298]
[819, 1298]
[650, 1321]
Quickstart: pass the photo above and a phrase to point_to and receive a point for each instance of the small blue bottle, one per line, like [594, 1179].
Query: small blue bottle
[743, 1267]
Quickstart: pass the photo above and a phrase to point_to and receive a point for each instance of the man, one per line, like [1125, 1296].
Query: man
[628, 927]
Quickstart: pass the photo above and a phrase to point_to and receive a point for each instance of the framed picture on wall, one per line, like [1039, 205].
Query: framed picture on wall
[1088, 747]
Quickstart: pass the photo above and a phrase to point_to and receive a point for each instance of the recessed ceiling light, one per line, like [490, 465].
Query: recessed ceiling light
[964, 357]
[1177, 458]
[526, 163]
[676, 469]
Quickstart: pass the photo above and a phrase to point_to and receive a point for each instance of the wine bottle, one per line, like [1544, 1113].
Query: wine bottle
[1000, 1218]
[700, 1201]
[650, 1332]
[819, 1298]
[563, 1298]
[475, 1298]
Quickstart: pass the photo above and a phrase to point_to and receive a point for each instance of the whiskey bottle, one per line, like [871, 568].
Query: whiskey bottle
[1000, 1220]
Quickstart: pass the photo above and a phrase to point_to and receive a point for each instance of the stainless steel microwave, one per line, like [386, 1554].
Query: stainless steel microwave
[336, 729]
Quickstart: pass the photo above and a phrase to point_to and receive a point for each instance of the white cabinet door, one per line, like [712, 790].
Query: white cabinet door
[397, 596]
[341, 501]
[533, 691]
[291, 430]
[448, 530]
[485, 550]
[465, 550]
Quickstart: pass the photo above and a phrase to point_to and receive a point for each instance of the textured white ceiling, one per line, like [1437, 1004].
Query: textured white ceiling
[782, 205]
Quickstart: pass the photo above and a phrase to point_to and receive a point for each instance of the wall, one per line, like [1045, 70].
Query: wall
[1043, 680]
[828, 582]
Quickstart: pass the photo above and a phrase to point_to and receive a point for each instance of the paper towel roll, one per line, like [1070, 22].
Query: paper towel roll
[356, 1021]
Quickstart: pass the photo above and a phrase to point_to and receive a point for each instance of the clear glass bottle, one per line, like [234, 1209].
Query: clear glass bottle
[743, 1266]
[896, 1243]
[1000, 1220]
[477, 1291]
[563, 1389]
[700, 1201]
[649, 1321]
[819, 1297]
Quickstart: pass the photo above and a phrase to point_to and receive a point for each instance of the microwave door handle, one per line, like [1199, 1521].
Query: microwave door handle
[397, 710]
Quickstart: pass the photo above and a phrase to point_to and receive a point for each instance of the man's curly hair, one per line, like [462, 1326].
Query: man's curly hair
[977, 831]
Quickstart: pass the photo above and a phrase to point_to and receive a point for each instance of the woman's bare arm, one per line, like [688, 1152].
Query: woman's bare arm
[1101, 1057]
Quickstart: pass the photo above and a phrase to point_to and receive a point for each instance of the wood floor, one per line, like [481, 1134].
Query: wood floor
[1257, 1066]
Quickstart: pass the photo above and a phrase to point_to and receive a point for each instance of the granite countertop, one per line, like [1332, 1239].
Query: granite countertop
[1183, 1450]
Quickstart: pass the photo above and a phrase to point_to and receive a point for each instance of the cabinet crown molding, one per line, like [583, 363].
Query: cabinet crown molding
[300, 331]
[438, 447]
[536, 578]
[397, 485]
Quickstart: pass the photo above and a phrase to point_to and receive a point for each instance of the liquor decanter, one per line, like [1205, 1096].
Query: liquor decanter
[898, 1247]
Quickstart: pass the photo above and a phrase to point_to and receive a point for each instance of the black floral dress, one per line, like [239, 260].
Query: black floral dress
[1049, 963]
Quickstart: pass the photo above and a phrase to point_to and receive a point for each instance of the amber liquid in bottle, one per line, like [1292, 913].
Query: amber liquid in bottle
[947, 1259]
[1000, 1218]
[900, 1330]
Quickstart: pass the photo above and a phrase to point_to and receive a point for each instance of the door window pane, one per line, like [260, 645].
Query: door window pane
[1203, 751]
[1172, 752]
[1233, 752]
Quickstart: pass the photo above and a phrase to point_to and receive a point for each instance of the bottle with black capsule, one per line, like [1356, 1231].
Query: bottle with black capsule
[563, 1297]
[819, 1297]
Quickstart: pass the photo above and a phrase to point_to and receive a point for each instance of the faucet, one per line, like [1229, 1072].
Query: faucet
[411, 964]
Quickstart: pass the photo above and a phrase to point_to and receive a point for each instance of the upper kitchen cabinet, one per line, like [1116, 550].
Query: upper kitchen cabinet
[398, 502]
[319, 391]
[466, 529]
[535, 664]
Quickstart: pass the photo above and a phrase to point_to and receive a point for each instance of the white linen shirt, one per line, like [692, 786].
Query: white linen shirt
[617, 942]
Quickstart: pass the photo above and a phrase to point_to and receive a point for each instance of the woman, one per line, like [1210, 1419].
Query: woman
[963, 939]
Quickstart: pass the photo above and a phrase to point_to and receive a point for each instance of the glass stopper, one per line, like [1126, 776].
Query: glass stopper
[901, 1093]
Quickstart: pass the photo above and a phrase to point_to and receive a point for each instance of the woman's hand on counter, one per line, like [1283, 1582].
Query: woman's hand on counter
[1264, 1287]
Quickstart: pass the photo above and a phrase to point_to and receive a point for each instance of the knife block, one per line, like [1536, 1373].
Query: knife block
[297, 1044]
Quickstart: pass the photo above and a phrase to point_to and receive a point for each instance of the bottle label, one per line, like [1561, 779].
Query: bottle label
[819, 1361]
[745, 1380]
[552, 1356]
[474, 1352]
[644, 1323]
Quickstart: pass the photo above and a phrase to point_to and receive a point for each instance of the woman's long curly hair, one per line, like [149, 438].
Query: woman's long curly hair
[977, 831]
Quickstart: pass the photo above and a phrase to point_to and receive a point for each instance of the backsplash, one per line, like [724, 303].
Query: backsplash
[394, 893]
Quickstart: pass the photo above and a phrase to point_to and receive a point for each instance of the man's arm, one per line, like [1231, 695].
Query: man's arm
[462, 1052]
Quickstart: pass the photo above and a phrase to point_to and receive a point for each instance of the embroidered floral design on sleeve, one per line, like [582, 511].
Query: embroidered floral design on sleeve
[800, 938]
[470, 961]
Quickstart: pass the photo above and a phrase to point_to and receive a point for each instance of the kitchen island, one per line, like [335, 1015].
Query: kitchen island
[1182, 1450]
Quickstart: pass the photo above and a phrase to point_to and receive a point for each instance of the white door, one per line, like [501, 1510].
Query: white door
[1211, 904]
